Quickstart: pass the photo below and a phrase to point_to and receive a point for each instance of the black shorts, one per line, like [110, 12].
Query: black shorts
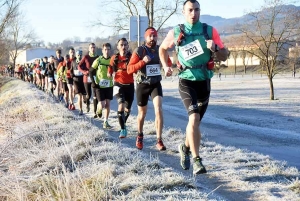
[79, 86]
[69, 80]
[65, 86]
[104, 93]
[195, 95]
[143, 91]
[126, 94]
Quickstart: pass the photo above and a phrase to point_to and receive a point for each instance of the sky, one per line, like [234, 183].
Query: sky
[61, 19]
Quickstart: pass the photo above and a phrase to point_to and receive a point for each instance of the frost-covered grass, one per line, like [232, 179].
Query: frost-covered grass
[49, 153]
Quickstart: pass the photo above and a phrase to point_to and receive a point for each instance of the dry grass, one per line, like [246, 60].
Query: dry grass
[48, 153]
[51, 154]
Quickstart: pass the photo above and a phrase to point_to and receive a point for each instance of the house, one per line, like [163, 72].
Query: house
[31, 54]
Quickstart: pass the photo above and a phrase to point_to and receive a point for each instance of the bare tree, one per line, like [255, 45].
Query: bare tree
[234, 53]
[158, 12]
[269, 32]
[8, 10]
[19, 38]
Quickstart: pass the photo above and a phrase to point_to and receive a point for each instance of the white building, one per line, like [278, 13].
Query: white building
[29, 55]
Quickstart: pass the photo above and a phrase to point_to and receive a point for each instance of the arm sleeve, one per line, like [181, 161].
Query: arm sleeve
[92, 72]
[216, 38]
[81, 66]
[111, 63]
[95, 64]
[135, 64]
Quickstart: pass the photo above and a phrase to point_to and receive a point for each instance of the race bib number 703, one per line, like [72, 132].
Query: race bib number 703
[191, 50]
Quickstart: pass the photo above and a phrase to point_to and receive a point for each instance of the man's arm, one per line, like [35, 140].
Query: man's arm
[82, 66]
[163, 52]
[221, 53]
[135, 63]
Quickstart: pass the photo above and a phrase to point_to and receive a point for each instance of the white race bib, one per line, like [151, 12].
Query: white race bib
[33, 71]
[89, 80]
[191, 50]
[104, 83]
[77, 73]
[152, 70]
[115, 90]
[43, 72]
[50, 79]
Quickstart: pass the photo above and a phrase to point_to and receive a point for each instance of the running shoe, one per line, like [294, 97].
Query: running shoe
[73, 107]
[81, 112]
[184, 157]
[123, 133]
[160, 145]
[139, 142]
[99, 113]
[198, 167]
[95, 115]
[106, 125]
[67, 105]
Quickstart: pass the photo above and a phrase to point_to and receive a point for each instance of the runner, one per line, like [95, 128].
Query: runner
[195, 43]
[123, 85]
[70, 81]
[145, 63]
[102, 83]
[37, 73]
[50, 70]
[78, 79]
[84, 66]
[57, 60]
[62, 75]
[43, 74]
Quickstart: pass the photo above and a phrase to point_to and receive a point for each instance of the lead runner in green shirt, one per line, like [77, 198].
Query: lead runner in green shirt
[103, 85]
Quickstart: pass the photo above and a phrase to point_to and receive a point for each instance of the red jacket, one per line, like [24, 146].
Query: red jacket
[85, 64]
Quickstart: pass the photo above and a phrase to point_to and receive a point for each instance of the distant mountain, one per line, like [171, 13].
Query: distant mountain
[224, 25]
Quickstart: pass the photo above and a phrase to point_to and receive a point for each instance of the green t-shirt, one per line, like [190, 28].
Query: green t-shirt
[101, 65]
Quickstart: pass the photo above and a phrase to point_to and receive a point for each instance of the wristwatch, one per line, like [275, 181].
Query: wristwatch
[217, 48]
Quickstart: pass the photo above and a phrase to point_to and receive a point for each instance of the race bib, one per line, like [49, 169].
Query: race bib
[50, 79]
[33, 71]
[43, 72]
[115, 90]
[104, 83]
[191, 50]
[89, 80]
[77, 73]
[152, 70]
